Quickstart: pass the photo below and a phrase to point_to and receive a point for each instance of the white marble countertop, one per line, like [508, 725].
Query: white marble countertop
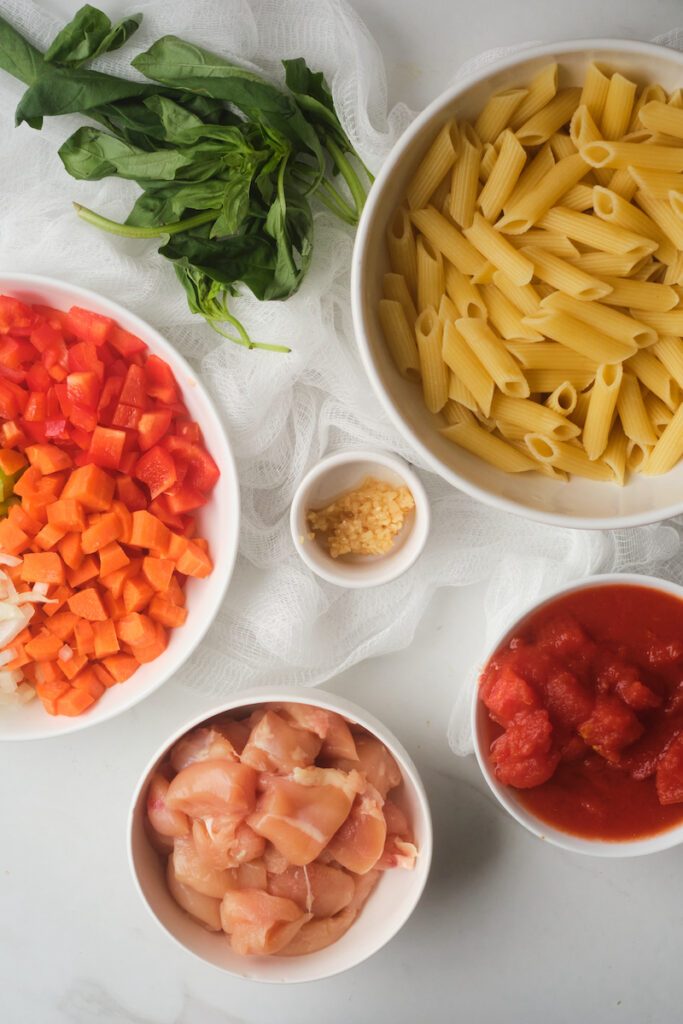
[509, 928]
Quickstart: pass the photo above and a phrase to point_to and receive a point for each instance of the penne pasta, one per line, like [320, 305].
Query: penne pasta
[402, 248]
[583, 129]
[663, 323]
[491, 449]
[614, 455]
[561, 145]
[597, 234]
[581, 411]
[505, 317]
[611, 322]
[614, 209]
[503, 178]
[394, 287]
[657, 413]
[491, 244]
[465, 178]
[532, 174]
[594, 92]
[565, 276]
[566, 457]
[559, 245]
[645, 295]
[536, 203]
[400, 338]
[436, 164]
[654, 376]
[637, 455]
[549, 355]
[542, 88]
[669, 350]
[445, 237]
[464, 294]
[581, 337]
[621, 182]
[662, 213]
[550, 118]
[535, 418]
[604, 264]
[429, 335]
[648, 93]
[447, 310]
[668, 448]
[616, 114]
[632, 154]
[662, 117]
[562, 399]
[580, 197]
[548, 380]
[601, 408]
[496, 115]
[430, 275]
[523, 296]
[489, 155]
[462, 396]
[493, 355]
[468, 369]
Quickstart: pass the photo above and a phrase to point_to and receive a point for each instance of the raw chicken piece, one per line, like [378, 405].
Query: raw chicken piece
[397, 823]
[225, 842]
[338, 741]
[258, 922]
[252, 875]
[277, 746]
[202, 745]
[204, 909]
[320, 890]
[191, 870]
[165, 820]
[398, 853]
[329, 726]
[216, 787]
[299, 815]
[320, 933]
[274, 860]
[359, 843]
[376, 763]
[236, 731]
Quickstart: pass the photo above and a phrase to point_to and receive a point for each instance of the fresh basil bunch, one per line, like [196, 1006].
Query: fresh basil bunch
[227, 161]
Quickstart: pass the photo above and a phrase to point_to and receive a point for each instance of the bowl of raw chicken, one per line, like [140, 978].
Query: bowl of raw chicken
[284, 836]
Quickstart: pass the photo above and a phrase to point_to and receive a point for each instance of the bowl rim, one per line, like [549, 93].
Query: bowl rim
[391, 567]
[226, 460]
[328, 701]
[358, 270]
[556, 837]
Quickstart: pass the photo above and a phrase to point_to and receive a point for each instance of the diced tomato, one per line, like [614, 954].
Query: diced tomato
[611, 727]
[507, 696]
[669, 777]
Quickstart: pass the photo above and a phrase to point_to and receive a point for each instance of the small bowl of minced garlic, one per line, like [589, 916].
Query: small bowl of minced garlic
[360, 518]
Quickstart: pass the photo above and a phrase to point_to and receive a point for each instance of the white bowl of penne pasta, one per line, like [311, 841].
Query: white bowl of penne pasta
[517, 284]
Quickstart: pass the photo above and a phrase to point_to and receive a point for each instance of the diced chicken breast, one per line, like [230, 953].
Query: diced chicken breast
[252, 875]
[375, 762]
[398, 853]
[318, 934]
[204, 909]
[226, 842]
[329, 726]
[165, 820]
[397, 823]
[192, 870]
[320, 890]
[202, 745]
[259, 923]
[359, 843]
[275, 745]
[216, 787]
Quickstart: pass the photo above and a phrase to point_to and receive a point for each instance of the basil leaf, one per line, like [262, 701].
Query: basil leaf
[246, 258]
[17, 56]
[89, 34]
[290, 224]
[168, 203]
[60, 90]
[90, 154]
[314, 97]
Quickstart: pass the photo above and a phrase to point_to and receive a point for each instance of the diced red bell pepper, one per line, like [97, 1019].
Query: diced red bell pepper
[202, 471]
[132, 496]
[36, 407]
[124, 342]
[156, 469]
[83, 389]
[83, 358]
[189, 430]
[152, 427]
[38, 378]
[183, 498]
[106, 447]
[15, 315]
[9, 404]
[45, 336]
[88, 326]
[84, 419]
[127, 416]
[160, 380]
[134, 390]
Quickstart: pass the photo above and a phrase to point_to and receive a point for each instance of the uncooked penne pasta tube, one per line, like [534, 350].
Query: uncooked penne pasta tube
[568, 457]
[676, 98]
[661, 117]
[594, 92]
[546, 381]
[505, 317]
[454, 412]
[400, 338]
[522, 412]
[676, 201]
[394, 287]
[614, 454]
[429, 335]
[655, 376]
[457, 392]
[489, 155]
[562, 399]
[583, 129]
[580, 197]
[523, 296]
[657, 413]
[597, 234]
[637, 455]
[496, 115]
[430, 275]
[485, 275]
[561, 145]
[633, 413]
[669, 350]
[550, 118]
[615, 210]
[580, 336]
[550, 355]
[491, 352]
[581, 411]
[648, 94]
[542, 88]
[646, 295]
[532, 174]
[464, 294]
[616, 114]
[611, 322]
[437, 162]
[488, 447]
[663, 323]
[503, 178]
[465, 177]
[669, 447]
[605, 264]
[632, 154]
[658, 184]
[559, 245]
[467, 367]
[533, 206]
[662, 213]
[447, 310]
[402, 248]
[491, 244]
[565, 276]
[603, 402]
[448, 240]
[621, 181]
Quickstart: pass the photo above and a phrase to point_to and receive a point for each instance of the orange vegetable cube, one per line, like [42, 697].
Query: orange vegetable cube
[48, 458]
[175, 592]
[87, 570]
[85, 638]
[17, 515]
[62, 624]
[136, 629]
[43, 567]
[20, 658]
[50, 693]
[149, 652]
[158, 571]
[148, 531]
[137, 593]
[90, 485]
[70, 549]
[87, 680]
[13, 540]
[121, 666]
[105, 677]
[44, 647]
[194, 561]
[72, 666]
[101, 533]
[57, 600]
[112, 557]
[74, 702]
[88, 604]
[166, 612]
[11, 461]
[106, 640]
[67, 513]
[49, 536]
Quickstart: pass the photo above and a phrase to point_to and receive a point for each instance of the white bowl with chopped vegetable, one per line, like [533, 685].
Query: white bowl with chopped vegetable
[217, 521]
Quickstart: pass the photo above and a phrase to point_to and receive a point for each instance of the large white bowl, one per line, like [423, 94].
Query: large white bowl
[579, 503]
[218, 522]
[386, 911]
[507, 795]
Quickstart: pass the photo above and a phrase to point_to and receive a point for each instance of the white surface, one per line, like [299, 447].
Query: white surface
[578, 503]
[509, 928]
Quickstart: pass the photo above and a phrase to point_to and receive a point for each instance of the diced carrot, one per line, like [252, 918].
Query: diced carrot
[27, 482]
[90, 485]
[85, 638]
[35, 508]
[149, 652]
[165, 612]
[194, 561]
[136, 629]
[121, 666]
[105, 677]
[106, 640]
[49, 672]
[62, 624]
[20, 658]
[114, 581]
[88, 604]
[44, 647]
[70, 549]
[158, 571]
[175, 592]
[50, 694]
[125, 519]
[137, 593]
[43, 567]
[48, 458]
[67, 512]
[201, 543]
[112, 557]
[148, 531]
[74, 702]
[87, 680]
[177, 546]
[11, 461]
[59, 598]
[18, 515]
[49, 536]
[13, 540]
[72, 666]
[97, 536]
[114, 605]
[87, 570]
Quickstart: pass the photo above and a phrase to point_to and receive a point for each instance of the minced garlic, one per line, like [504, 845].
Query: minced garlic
[363, 521]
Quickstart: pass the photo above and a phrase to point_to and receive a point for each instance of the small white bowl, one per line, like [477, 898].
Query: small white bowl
[386, 911]
[578, 503]
[333, 476]
[506, 795]
[218, 521]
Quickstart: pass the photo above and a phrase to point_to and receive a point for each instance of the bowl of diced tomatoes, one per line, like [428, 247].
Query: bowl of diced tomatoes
[119, 508]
